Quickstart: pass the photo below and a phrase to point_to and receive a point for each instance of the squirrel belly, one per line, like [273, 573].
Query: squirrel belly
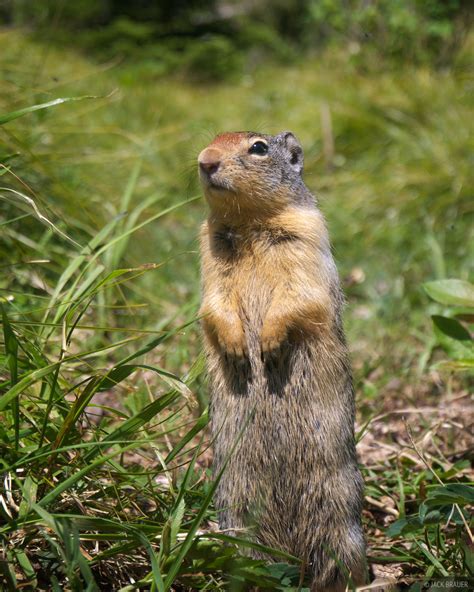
[282, 401]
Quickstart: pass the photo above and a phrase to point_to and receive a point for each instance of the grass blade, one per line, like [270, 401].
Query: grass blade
[26, 110]
[184, 548]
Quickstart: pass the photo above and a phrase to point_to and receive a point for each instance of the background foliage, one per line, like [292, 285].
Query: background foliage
[215, 39]
[104, 448]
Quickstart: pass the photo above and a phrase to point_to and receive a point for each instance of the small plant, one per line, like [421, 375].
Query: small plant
[452, 327]
[435, 526]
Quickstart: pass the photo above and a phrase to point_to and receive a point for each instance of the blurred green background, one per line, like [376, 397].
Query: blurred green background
[380, 93]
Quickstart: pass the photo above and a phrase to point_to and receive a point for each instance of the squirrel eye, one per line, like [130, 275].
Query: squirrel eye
[259, 148]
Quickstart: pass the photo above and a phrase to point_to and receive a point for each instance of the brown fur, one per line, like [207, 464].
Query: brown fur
[271, 307]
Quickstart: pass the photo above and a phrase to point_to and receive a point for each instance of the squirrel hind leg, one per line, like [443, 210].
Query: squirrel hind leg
[348, 571]
[358, 578]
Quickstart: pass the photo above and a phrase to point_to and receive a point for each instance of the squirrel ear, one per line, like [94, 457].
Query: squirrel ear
[295, 151]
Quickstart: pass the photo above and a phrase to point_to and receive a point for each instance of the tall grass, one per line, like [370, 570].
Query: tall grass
[103, 404]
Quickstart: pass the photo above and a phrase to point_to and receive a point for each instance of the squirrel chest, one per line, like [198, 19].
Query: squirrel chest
[273, 277]
[252, 263]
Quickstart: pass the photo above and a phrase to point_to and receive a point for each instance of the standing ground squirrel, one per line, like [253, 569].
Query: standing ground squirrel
[277, 359]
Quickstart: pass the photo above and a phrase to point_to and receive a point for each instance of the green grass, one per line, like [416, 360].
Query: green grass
[104, 450]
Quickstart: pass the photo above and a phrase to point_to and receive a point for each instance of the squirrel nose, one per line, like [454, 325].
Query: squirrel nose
[209, 167]
[209, 160]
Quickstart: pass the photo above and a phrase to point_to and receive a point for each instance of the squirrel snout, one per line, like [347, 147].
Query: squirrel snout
[209, 160]
[209, 167]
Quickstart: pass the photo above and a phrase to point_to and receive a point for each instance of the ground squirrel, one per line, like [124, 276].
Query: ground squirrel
[277, 359]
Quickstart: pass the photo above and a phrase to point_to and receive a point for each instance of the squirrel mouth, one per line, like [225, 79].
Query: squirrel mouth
[213, 182]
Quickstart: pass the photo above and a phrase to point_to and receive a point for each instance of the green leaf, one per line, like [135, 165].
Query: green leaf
[30, 488]
[176, 520]
[396, 528]
[77, 476]
[433, 517]
[451, 328]
[186, 545]
[25, 202]
[15, 114]
[468, 550]
[404, 526]
[286, 574]
[252, 545]
[115, 376]
[76, 263]
[25, 565]
[11, 351]
[68, 536]
[199, 425]
[461, 365]
[429, 555]
[128, 428]
[451, 292]
[25, 382]
[76, 409]
[453, 493]
[7, 572]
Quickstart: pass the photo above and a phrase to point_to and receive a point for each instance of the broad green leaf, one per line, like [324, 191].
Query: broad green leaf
[453, 493]
[404, 526]
[396, 528]
[286, 574]
[25, 565]
[451, 328]
[433, 517]
[451, 292]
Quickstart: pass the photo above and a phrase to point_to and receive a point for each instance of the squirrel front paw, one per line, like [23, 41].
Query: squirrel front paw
[232, 341]
[274, 333]
[227, 333]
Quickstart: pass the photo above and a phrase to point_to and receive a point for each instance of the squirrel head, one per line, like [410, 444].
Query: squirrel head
[251, 174]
